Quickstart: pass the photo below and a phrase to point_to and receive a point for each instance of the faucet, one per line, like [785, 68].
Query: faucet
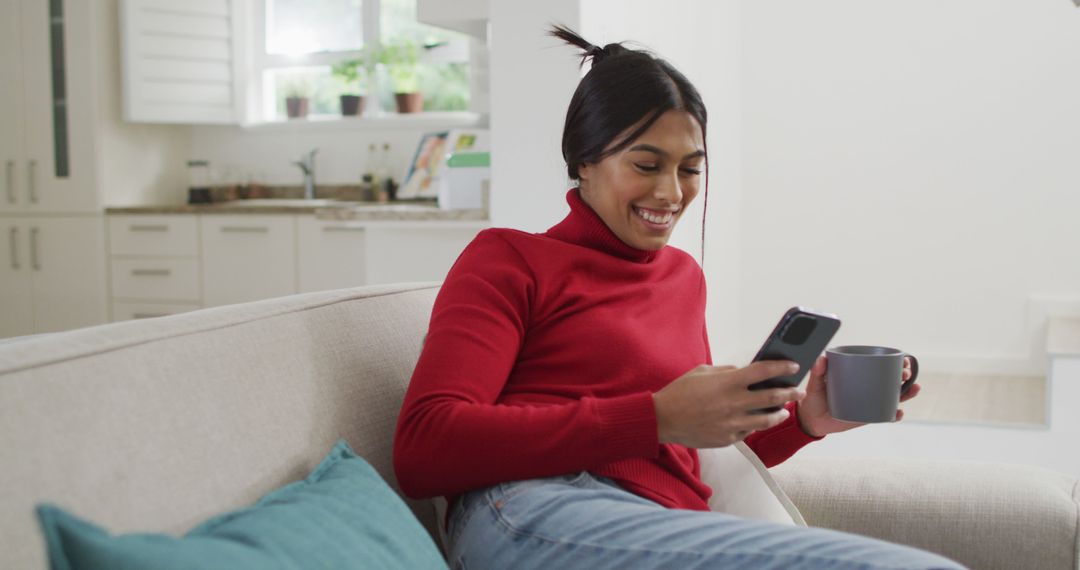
[307, 165]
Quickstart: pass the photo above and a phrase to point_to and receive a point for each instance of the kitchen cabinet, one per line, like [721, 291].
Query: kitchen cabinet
[154, 265]
[416, 251]
[47, 99]
[54, 275]
[162, 264]
[247, 257]
[330, 254]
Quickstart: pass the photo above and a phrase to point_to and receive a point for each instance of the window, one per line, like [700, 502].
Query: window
[297, 44]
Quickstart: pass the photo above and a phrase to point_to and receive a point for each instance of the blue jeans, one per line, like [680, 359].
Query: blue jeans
[588, 522]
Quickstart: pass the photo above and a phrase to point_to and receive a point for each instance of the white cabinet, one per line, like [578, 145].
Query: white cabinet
[54, 275]
[47, 99]
[10, 103]
[330, 254]
[416, 251]
[166, 264]
[154, 265]
[247, 257]
[16, 283]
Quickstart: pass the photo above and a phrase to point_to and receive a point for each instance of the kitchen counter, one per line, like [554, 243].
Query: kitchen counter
[322, 209]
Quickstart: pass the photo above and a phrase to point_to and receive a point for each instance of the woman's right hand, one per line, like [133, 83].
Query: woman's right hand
[712, 406]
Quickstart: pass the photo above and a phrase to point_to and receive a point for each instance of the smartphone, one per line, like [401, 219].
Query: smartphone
[800, 336]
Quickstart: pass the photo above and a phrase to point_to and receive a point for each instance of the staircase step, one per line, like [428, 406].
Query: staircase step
[1063, 337]
[980, 399]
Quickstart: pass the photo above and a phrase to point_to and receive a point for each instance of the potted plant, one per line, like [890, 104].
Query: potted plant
[353, 74]
[297, 101]
[401, 59]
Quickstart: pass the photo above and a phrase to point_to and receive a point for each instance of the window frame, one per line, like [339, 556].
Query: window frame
[260, 99]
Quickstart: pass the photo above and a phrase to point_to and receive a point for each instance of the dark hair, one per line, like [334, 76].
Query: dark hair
[624, 87]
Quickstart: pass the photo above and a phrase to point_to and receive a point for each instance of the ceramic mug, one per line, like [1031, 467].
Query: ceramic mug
[863, 382]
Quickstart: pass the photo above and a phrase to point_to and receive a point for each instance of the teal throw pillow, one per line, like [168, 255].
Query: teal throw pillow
[343, 515]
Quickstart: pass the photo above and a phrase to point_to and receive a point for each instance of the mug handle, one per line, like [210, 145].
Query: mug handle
[914, 374]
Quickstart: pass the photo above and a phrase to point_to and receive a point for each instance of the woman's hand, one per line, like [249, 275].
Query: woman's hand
[814, 417]
[711, 406]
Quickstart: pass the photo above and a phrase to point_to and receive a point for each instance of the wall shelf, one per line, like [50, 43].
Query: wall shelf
[432, 120]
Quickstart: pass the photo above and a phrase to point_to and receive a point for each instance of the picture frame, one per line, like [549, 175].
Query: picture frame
[419, 182]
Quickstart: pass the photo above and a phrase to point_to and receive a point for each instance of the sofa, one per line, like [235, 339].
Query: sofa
[155, 425]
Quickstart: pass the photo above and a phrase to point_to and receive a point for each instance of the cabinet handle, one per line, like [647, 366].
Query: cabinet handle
[148, 315]
[31, 181]
[34, 261]
[148, 228]
[151, 272]
[245, 229]
[10, 175]
[14, 248]
[343, 229]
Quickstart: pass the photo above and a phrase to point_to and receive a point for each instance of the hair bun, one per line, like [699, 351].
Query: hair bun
[598, 54]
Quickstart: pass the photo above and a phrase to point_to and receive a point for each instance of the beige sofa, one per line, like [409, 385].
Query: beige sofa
[156, 425]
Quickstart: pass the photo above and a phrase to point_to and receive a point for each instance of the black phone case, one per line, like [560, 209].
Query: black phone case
[805, 354]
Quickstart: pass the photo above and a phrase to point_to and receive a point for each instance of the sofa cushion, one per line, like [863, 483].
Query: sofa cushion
[743, 486]
[343, 515]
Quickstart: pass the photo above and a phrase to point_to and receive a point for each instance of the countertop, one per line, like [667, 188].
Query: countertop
[323, 209]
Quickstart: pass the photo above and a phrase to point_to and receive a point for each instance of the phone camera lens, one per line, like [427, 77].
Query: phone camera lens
[798, 330]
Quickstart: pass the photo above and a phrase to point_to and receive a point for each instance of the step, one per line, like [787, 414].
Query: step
[980, 399]
[1063, 337]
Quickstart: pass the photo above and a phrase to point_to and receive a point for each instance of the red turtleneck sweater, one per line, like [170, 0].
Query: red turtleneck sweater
[541, 359]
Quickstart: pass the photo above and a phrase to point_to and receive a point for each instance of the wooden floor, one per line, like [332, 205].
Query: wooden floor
[978, 399]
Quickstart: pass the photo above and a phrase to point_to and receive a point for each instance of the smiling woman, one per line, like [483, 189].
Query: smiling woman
[566, 381]
[642, 191]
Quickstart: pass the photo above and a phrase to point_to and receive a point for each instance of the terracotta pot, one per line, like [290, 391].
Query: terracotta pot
[352, 105]
[296, 107]
[409, 102]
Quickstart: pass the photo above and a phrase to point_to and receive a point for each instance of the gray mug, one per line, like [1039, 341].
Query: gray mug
[863, 382]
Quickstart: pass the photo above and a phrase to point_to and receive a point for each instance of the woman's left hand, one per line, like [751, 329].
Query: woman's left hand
[813, 410]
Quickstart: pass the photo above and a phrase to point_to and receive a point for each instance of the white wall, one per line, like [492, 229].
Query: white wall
[911, 166]
[706, 49]
[268, 153]
[532, 79]
[140, 164]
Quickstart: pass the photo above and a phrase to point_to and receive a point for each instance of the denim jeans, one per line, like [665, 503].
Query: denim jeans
[588, 522]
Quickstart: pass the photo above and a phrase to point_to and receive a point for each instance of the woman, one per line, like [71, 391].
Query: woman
[564, 383]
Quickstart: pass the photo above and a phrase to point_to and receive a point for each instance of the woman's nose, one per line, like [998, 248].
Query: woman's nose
[669, 189]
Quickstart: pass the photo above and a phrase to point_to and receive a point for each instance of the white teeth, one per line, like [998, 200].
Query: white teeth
[654, 218]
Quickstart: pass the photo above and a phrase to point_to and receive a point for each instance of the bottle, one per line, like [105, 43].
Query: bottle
[199, 182]
[382, 174]
[367, 178]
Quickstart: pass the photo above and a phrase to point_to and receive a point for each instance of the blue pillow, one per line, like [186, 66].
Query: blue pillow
[343, 515]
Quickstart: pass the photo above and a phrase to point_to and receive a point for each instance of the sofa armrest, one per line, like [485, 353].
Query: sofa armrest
[981, 515]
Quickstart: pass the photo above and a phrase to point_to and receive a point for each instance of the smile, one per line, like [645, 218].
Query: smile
[654, 217]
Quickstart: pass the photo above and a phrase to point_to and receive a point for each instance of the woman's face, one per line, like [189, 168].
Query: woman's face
[641, 191]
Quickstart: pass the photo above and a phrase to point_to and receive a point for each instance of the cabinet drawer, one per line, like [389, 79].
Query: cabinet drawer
[156, 278]
[153, 235]
[247, 257]
[330, 254]
[125, 311]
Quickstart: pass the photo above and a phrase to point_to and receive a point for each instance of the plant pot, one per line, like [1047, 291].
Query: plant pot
[352, 105]
[296, 107]
[409, 102]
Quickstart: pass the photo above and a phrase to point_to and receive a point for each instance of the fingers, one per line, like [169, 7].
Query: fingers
[771, 398]
[912, 392]
[759, 422]
[765, 369]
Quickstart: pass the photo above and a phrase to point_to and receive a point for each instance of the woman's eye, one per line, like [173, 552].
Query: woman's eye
[647, 167]
[692, 171]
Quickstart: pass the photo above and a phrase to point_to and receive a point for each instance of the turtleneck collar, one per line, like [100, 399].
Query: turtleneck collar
[584, 227]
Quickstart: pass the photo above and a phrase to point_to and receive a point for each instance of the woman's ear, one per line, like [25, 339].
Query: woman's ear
[584, 170]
